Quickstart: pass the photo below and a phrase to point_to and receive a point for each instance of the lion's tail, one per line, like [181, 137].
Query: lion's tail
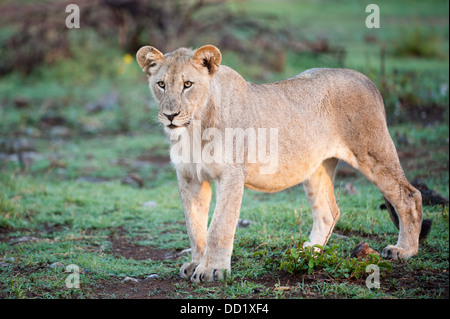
[426, 223]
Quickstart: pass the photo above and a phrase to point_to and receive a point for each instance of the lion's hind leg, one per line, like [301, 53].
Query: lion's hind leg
[320, 191]
[382, 167]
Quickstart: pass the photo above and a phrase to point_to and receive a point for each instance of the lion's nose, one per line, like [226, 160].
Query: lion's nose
[171, 116]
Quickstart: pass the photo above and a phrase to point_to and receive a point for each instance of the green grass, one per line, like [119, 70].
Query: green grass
[70, 204]
[74, 221]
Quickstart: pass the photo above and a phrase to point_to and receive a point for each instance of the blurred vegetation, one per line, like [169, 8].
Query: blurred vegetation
[419, 43]
[36, 32]
[407, 59]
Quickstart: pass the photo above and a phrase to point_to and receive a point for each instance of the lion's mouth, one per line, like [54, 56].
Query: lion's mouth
[173, 126]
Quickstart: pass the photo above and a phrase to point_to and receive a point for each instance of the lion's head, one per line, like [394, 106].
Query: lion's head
[179, 80]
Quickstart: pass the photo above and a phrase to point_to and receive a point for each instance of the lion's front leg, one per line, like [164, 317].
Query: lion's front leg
[219, 245]
[196, 198]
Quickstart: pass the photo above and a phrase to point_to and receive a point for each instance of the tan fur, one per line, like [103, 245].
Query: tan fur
[322, 115]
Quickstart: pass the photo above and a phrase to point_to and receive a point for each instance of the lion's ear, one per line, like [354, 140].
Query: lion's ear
[148, 57]
[208, 56]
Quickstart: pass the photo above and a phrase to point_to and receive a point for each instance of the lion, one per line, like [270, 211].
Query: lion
[322, 115]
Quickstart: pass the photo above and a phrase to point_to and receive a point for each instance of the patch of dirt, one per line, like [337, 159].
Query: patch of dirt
[160, 288]
[151, 157]
[122, 247]
[178, 288]
[424, 114]
[413, 158]
[4, 234]
[431, 282]
[357, 233]
[291, 283]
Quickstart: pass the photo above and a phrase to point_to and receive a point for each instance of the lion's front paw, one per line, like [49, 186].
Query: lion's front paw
[307, 244]
[395, 253]
[205, 274]
[188, 269]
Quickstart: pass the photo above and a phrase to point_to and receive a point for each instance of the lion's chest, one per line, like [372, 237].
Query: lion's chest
[194, 171]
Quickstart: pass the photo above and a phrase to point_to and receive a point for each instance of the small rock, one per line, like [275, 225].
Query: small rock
[17, 145]
[152, 276]
[339, 236]
[57, 265]
[150, 204]
[244, 223]
[91, 179]
[60, 131]
[443, 89]
[133, 179]
[105, 102]
[362, 250]
[24, 159]
[7, 261]
[349, 189]
[24, 239]
[126, 279]
[186, 251]
[21, 102]
[402, 139]
[52, 120]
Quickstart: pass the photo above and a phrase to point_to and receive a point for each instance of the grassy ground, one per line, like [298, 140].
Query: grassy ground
[95, 189]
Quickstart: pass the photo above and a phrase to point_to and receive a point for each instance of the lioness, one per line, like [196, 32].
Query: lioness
[322, 115]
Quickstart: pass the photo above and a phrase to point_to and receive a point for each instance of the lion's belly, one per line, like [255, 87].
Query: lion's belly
[288, 174]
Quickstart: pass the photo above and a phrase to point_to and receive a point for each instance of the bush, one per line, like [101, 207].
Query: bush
[306, 260]
[418, 43]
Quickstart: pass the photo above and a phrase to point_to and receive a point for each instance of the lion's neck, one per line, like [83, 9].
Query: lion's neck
[207, 115]
[228, 93]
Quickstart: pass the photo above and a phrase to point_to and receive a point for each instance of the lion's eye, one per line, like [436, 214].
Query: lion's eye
[187, 84]
[161, 84]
